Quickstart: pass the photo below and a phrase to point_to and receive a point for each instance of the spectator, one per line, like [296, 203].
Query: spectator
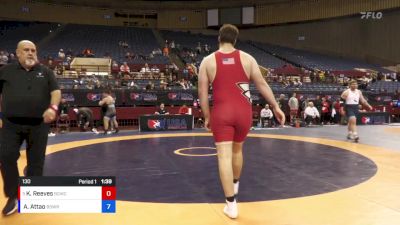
[185, 72]
[183, 109]
[133, 85]
[266, 115]
[150, 86]
[157, 51]
[61, 54]
[364, 81]
[115, 69]
[128, 56]
[12, 58]
[165, 51]
[207, 48]
[88, 53]
[311, 114]
[325, 112]
[283, 104]
[3, 58]
[145, 69]
[336, 113]
[162, 110]
[124, 69]
[172, 44]
[297, 83]
[185, 85]
[318, 104]
[294, 107]
[198, 48]
[69, 52]
[155, 69]
[51, 65]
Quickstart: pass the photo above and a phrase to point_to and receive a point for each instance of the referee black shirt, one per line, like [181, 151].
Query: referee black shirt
[26, 94]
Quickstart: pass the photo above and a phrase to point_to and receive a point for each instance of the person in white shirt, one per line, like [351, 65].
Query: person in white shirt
[61, 54]
[311, 114]
[294, 107]
[266, 115]
[145, 69]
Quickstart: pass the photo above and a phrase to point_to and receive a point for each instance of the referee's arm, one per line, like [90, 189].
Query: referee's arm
[55, 97]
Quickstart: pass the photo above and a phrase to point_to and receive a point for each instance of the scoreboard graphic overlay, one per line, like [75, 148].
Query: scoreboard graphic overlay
[66, 195]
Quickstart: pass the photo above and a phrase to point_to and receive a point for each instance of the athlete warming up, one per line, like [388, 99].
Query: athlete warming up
[352, 97]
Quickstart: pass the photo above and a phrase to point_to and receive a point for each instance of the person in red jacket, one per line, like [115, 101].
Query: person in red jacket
[229, 71]
[325, 111]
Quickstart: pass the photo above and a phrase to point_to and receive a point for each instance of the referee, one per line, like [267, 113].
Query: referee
[29, 102]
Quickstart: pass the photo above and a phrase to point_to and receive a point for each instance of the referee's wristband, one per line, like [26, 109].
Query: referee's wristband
[54, 108]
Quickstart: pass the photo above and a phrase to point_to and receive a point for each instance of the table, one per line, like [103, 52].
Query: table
[166, 122]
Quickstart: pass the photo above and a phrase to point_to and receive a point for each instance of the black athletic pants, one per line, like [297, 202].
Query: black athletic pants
[12, 137]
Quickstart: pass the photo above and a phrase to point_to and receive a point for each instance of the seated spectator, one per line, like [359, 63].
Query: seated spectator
[3, 58]
[164, 85]
[88, 53]
[172, 44]
[155, 69]
[149, 86]
[61, 54]
[311, 114]
[162, 110]
[51, 65]
[207, 48]
[266, 115]
[363, 82]
[12, 58]
[145, 69]
[184, 84]
[115, 68]
[297, 83]
[126, 76]
[183, 109]
[133, 85]
[157, 51]
[124, 69]
[165, 51]
[198, 48]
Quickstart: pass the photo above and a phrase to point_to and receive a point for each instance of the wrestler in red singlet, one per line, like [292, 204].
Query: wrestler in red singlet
[229, 71]
[231, 115]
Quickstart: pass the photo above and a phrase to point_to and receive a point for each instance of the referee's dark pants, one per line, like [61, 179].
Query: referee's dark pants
[12, 137]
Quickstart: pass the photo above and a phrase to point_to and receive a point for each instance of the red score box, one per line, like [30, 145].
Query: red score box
[108, 193]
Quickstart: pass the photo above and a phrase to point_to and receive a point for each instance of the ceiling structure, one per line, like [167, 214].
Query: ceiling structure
[155, 5]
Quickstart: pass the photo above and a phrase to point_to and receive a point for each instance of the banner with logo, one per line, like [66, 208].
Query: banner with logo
[165, 122]
[89, 97]
[371, 118]
[133, 97]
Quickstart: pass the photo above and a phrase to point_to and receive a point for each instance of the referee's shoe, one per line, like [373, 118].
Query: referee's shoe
[11, 207]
